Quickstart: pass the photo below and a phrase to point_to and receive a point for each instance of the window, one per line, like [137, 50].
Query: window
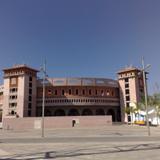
[90, 92]
[13, 97]
[49, 91]
[108, 93]
[126, 85]
[13, 112]
[112, 93]
[70, 92]
[12, 90]
[141, 90]
[30, 78]
[30, 98]
[29, 105]
[63, 92]
[30, 84]
[30, 91]
[83, 92]
[55, 92]
[102, 93]
[126, 80]
[10, 97]
[12, 105]
[29, 113]
[76, 91]
[96, 92]
[127, 104]
[127, 91]
[127, 98]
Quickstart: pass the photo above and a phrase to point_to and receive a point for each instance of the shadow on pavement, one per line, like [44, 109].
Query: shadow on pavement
[84, 152]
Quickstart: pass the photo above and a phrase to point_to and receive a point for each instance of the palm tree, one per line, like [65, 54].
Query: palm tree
[127, 111]
[139, 106]
[132, 110]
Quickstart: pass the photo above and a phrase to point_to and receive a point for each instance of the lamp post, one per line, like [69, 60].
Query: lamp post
[43, 69]
[145, 94]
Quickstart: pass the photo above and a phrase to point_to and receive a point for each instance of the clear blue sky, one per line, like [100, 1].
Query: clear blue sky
[81, 38]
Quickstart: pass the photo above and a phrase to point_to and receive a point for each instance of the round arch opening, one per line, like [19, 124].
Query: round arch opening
[112, 113]
[73, 112]
[100, 112]
[87, 112]
[59, 112]
[48, 113]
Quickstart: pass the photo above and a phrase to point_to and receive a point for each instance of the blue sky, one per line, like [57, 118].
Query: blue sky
[81, 38]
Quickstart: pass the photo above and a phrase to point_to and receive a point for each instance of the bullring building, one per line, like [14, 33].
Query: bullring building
[21, 94]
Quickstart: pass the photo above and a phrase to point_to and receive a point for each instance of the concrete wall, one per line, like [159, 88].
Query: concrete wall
[122, 99]
[21, 96]
[133, 89]
[56, 122]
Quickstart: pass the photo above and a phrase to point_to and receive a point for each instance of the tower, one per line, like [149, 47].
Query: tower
[19, 91]
[1, 102]
[131, 88]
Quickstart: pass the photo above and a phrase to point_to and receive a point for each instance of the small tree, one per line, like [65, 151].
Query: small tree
[139, 107]
[155, 102]
[129, 111]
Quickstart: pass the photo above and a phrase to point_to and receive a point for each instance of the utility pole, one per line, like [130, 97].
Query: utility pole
[43, 98]
[145, 94]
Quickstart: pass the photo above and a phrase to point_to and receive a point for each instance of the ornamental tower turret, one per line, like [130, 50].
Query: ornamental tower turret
[19, 91]
[131, 88]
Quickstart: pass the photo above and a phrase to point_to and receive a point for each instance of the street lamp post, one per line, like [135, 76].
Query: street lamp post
[43, 98]
[145, 94]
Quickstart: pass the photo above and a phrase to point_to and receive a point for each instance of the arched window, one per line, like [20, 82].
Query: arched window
[55, 92]
[12, 112]
[76, 91]
[62, 92]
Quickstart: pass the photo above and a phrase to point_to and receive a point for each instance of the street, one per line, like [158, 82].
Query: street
[111, 142]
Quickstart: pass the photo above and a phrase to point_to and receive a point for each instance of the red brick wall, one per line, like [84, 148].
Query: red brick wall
[56, 122]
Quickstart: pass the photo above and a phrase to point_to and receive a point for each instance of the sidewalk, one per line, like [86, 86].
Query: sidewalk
[115, 130]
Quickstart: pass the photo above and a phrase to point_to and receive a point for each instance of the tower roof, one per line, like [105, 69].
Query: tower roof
[21, 66]
[128, 69]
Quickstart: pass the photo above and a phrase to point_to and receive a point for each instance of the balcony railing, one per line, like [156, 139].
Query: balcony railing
[79, 101]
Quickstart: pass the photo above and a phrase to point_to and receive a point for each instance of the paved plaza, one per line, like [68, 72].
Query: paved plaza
[120, 142]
